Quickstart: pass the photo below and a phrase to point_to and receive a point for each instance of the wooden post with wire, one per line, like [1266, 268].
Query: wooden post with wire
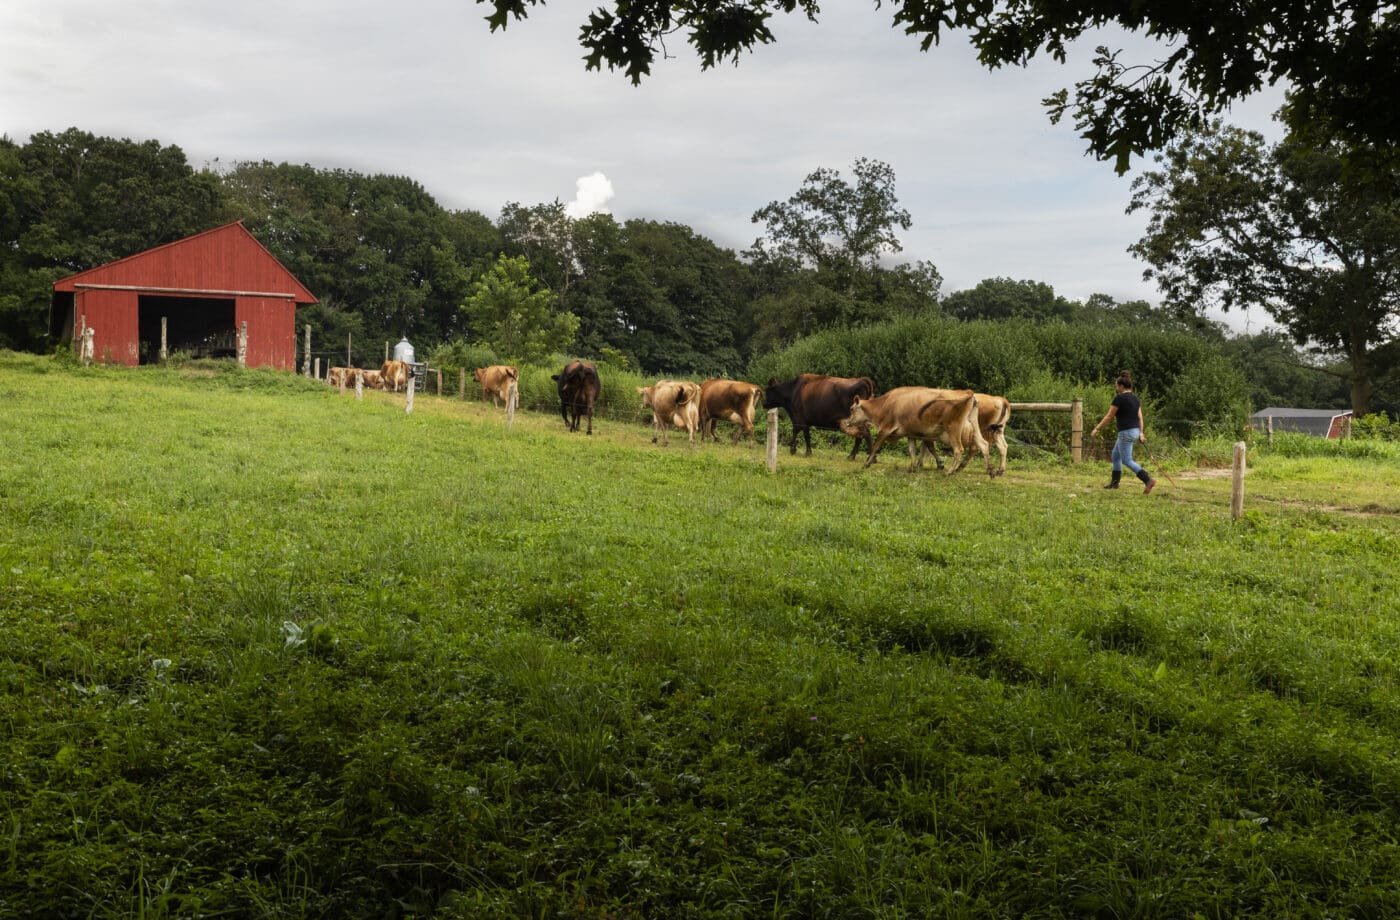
[462, 383]
[512, 397]
[1237, 483]
[772, 440]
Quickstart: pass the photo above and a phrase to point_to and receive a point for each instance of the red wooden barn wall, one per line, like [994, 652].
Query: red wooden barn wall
[226, 262]
[113, 317]
[271, 331]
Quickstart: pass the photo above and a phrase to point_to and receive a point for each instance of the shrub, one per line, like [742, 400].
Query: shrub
[1375, 427]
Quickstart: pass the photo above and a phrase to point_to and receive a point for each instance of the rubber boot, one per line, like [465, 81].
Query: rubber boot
[1113, 483]
[1147, 481]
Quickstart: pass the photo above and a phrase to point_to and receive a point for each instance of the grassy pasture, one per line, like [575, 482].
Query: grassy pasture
[270, 651]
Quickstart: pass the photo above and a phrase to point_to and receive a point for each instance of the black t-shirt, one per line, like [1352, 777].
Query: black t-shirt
[1129, 406]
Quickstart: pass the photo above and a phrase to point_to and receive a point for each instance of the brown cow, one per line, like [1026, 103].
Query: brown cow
[394, 373]
[374, 379]
[919, 414]
[731, 400]
[993, 415]
[672, 402]
[495, 380]
[579, 387]
[336, 376]
[819, 401]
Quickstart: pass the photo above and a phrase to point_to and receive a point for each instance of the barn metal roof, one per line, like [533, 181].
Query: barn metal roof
[1307, 421]
[225, 261]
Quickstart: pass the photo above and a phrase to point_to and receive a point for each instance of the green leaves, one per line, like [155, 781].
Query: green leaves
[508, 312]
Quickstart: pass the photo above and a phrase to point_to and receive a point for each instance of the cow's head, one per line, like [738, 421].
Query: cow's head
[479, 373]
[778, 395]
[646, 394]
[852, 423]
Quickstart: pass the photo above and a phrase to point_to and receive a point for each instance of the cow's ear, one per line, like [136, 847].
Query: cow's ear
[772, 381]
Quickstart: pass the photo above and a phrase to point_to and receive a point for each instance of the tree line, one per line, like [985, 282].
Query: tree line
[387, 261]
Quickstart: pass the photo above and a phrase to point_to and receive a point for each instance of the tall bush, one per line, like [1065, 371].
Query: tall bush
[1181, 377]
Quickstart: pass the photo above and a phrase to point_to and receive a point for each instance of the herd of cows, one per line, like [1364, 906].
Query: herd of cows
[924, 416]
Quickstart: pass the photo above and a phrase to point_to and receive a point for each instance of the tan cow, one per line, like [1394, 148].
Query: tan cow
[672, 402]
[993, 415]
[730, 400]
[338, 376]
[374, 379]
[495, 380]
[394, 374]
[919, 414]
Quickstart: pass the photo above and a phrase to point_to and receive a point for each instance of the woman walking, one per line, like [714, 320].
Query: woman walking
[1127, 409]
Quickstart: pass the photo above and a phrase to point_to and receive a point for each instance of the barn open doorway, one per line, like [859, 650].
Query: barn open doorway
[201, 327]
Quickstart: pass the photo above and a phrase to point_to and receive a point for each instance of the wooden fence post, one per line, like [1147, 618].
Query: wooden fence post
[306, 354]
[359, 384]
[439, 382]
[1237, 483]
[462, 383]
[1269, 430]
[243, 344]
[1076, 430]
[512, 397]
[318, 368]
[772, 440]
[408, 400]
[164, 340]
[86, 349]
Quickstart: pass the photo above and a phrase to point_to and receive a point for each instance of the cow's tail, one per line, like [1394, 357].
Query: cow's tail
[1000, 423]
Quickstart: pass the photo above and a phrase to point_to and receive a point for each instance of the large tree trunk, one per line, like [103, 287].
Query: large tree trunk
[1360, 357]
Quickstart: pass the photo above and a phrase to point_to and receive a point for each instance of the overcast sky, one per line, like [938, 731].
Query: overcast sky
[423, 89]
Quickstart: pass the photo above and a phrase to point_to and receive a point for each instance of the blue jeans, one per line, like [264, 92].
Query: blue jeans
[1123, 450]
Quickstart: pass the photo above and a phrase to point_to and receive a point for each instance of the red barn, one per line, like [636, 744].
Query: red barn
[205, 287]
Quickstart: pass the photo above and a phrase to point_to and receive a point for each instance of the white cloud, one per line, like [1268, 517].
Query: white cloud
[594, 193]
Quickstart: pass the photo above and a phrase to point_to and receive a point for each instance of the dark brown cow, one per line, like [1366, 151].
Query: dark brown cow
[579, 387]
[819, 401]
[495, 380]
[730, 400]
[923, 416]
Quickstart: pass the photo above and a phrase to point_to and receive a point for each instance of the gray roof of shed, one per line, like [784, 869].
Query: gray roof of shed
[1300, 413]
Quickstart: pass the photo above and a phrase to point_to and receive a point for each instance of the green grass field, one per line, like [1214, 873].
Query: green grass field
[270, 651]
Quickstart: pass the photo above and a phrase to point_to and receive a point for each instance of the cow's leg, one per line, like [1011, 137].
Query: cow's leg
[590, 416]
[1000, 439]
[959, 460]
[863, 436]
[875, 448]
[564, 411]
